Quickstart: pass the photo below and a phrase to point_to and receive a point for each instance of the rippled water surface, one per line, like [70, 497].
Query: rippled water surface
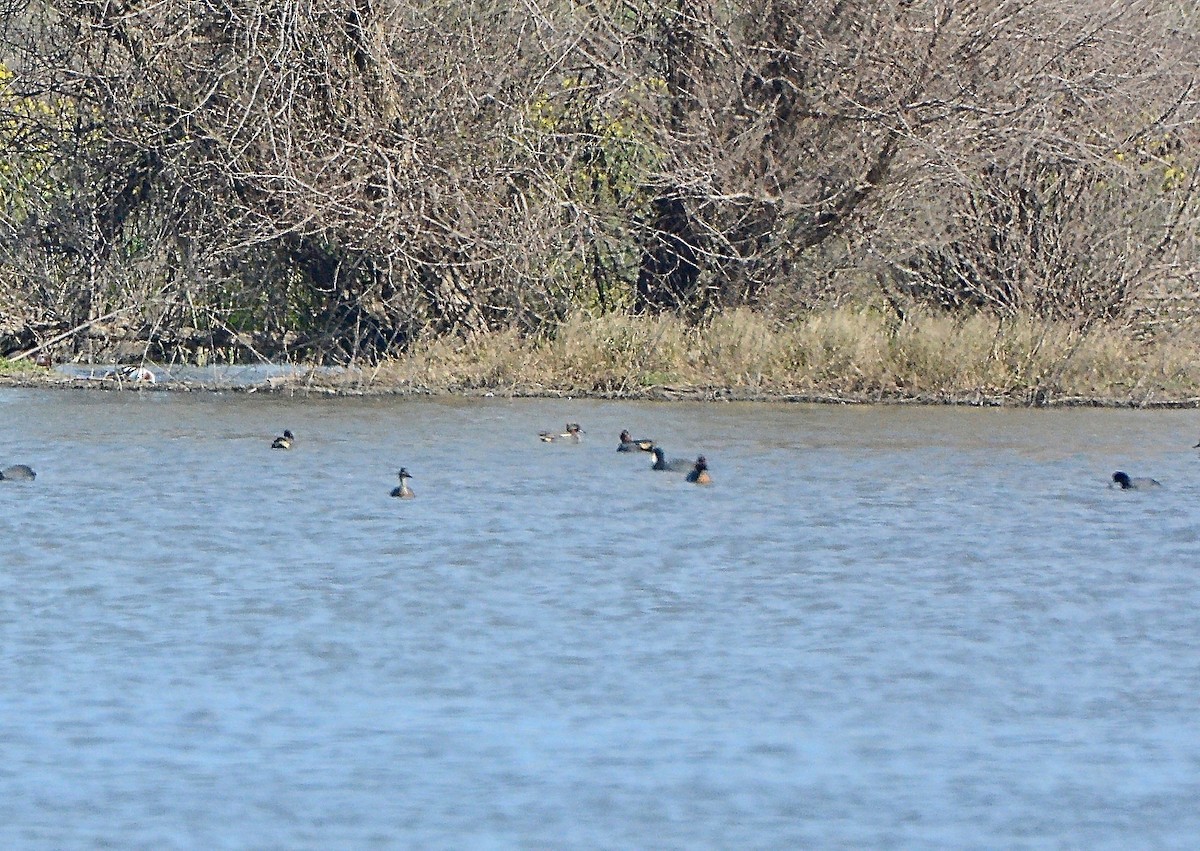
[879, 628]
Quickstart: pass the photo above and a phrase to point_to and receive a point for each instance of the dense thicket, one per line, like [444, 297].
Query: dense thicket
[334, 178]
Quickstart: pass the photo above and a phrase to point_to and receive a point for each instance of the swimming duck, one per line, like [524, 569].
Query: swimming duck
[699, 474]
[284, 441]
[570, 435]
[1123, 481]
[403, 491]
[661, 463]
[17, 473]
[628, 444]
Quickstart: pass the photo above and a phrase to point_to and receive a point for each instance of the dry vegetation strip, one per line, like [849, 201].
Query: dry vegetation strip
[859, 353]
[849, 353]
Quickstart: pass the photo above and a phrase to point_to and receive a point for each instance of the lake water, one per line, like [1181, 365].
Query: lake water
[881, 627]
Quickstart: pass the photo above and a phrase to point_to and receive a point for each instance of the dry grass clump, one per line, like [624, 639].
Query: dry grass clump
[1109, 365]
[862, 351]
[499, 359]
[617, 352]
[942, 354]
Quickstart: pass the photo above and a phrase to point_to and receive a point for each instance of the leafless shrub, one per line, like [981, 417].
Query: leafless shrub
[1073, 201]
[343, 178]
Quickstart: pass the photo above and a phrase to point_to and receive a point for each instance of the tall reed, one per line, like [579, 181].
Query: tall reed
[859, 351]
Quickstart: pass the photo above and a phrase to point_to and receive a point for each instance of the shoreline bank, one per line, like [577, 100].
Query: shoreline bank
[845, 355]
[352, 388]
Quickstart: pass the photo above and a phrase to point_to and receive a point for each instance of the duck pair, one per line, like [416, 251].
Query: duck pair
[697, 474]
[402, 491]
[574, 431]
[571, 435]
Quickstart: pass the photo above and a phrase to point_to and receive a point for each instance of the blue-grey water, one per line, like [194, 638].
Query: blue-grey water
[880, 627]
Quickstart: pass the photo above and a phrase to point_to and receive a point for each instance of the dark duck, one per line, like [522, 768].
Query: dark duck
[661, 462]
[630, 444]
[1127, 483]
[699, 473]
